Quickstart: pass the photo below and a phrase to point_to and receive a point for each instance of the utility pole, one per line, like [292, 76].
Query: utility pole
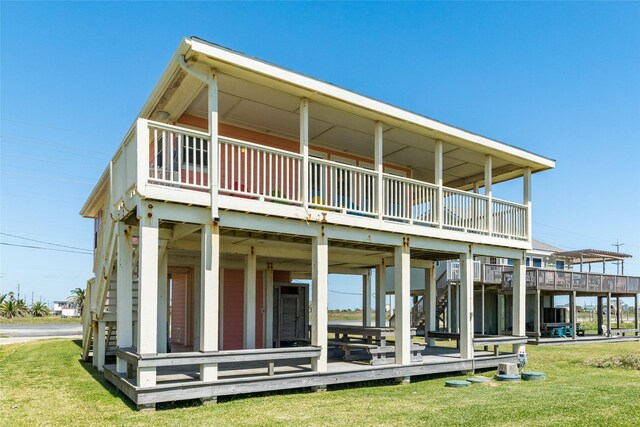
[617, 244]
[18, 291]
[31, 297]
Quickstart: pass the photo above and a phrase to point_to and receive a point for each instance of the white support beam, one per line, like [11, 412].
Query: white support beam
[430, 303]
[501, 314]
[319, 291]
[212, 83]
[209, 297]
[381, 292]
[124, 296]
[572, 305]
[438, 181]
[366, 299]
[163, 299]
[402, 295]
[100, 350]
[304, 150]
[526, 196]
[465, 306]
[482, 315]
[142, 155]
[488, 170]
[536, 315]
[148, 294]
[379, 167]
[449, 307]
[609, 314]
[96, 345]
[269, 306]
[249, 333]
[519, 282]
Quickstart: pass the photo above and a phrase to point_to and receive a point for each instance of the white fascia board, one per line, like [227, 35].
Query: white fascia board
[319, 87]
[101, 186]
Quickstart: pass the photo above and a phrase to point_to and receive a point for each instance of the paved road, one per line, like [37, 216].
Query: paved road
[22, 333]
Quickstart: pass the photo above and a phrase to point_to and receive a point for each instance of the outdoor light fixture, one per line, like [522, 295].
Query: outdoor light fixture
[162, 115]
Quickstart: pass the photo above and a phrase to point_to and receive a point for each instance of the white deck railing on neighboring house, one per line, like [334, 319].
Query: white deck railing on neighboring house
[453, 271]
[179, 158]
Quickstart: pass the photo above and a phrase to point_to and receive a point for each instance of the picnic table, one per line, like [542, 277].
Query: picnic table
[375, 341]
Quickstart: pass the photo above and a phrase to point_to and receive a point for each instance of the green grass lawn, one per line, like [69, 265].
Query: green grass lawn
[42, 383]
[30, 320]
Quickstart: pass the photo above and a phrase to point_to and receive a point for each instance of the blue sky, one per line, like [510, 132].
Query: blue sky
[559, 79]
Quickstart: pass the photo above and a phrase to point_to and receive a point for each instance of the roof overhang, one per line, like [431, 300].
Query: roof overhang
[588, 256]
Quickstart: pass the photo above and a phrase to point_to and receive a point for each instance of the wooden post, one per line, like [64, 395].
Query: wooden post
[148, 294]
[536, 316]
[366, 299]
[527, 201]
[96, 343]
[488, 192]
[379, 167]
[482, 309]
[465, 307]
[430, 304]
[163, 299]
[214, 163]
[402, 266]
[100, 351]
[456, 317]
[501, 314]
[249, 334]
[269, 306]
[304, 150]
[438, 181]
[618, 314]
[124, 296]
[599, 315]
[319, 289]
[574, 311]
[209, 297]
[636, 298]
[519, 297]
[609, 313]
[449, 307]
[381, 292]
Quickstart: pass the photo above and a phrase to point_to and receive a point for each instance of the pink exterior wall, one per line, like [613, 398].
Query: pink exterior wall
[233, 303]
[179, 317]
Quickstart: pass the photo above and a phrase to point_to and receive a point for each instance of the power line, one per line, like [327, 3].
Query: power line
[46, 243]
[46, 249]
[345, 293]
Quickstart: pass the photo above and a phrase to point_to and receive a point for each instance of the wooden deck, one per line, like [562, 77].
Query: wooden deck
[182, 382]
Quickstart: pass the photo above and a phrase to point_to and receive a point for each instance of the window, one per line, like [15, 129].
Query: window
[97, 224]
[537, 262]
[510, 261]
[194, 151]
[528, 261]
[559, 265]
[493, 260]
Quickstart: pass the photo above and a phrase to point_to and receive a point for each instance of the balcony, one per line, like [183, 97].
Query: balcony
[175, 166]
[558, 280]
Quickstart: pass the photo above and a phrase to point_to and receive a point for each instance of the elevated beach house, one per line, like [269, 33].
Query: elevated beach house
[241, 186]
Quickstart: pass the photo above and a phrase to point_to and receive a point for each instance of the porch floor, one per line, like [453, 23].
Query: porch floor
[182, 382]
[582, 340]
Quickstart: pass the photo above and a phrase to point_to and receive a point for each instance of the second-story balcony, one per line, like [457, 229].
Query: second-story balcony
[176, 166]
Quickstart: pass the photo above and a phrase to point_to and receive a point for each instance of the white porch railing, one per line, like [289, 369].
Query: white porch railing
[252, 170]
[341, 187]
[464, 210]
[453, 271]
[179, 158]
[410, 200]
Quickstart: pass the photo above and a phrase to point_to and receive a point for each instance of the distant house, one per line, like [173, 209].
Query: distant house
[65, 309]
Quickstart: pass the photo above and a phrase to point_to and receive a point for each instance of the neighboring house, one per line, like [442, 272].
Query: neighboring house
[551, 272]
[239, 177]
[65, 309]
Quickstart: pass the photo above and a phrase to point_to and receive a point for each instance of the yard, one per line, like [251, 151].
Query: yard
[42, 383]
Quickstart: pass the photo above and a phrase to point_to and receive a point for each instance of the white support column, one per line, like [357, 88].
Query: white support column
[142, 155]
[449, 307]
[124, 296]
[430, 304]
[488, 168]
[319, 290]
[438, 181]
[96, 344]
[636, 298]
[304, 150]
[381, 292]
[572, 305]
[366, 299]
[465, 306]
[482, 309]
[269, 306]
[209, 297]
[214, 163]
[536, 315]
[402, 268]
[618, 312]
[249, 333]
[609, 314]
[519, 282]
[527, 201]
[379, 167]
[501, 313]
[163, 299]
[102, 345]
[457, 310]
[148, 294]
